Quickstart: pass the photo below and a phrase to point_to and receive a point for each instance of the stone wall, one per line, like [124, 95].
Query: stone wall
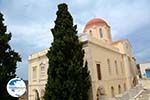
[128, 95]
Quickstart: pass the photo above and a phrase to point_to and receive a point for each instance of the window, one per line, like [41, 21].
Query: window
[90, 32]
[112, 91]
[109, 68]
[119, 89]
[116, 67]
[36, 95]
[99, 72]
[100, 92]
[147, 73]
[42, 69]
[34, 69]
[100, 32]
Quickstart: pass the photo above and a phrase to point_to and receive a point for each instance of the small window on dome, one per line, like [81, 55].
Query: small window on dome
[90, 32]
[100, 33]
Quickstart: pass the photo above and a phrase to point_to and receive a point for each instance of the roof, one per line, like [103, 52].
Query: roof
[122, 40]
[115, 42]
[95, 21]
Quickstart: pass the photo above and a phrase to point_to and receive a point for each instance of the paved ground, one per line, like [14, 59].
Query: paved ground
[145, 95]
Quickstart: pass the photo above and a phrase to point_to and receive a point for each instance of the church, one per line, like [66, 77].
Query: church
[111, 63]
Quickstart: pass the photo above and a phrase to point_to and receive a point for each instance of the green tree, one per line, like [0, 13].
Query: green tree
[68, 76]
[8, 61]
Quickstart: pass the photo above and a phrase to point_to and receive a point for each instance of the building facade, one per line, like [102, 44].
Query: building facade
[144, 70]
[144, 74]
[111, 63]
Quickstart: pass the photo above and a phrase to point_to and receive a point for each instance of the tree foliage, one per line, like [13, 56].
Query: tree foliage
[68, 78]
[8, 60]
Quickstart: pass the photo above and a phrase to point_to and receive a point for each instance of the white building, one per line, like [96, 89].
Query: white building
[111, 63]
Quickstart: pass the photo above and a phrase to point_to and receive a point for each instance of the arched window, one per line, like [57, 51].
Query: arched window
[100, 33]
[119, 89]
[36, 95]
[100, 92]
[112, 91]
[90, 32]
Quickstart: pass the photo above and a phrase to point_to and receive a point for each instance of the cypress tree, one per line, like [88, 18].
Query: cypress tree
[68, 76]
[8, 61]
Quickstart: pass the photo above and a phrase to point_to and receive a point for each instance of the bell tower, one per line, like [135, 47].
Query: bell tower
[98, 29]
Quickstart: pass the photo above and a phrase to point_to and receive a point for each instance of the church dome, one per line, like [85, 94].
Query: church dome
[96, 22]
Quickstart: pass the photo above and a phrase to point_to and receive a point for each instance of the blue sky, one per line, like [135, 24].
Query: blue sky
[30, 22]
